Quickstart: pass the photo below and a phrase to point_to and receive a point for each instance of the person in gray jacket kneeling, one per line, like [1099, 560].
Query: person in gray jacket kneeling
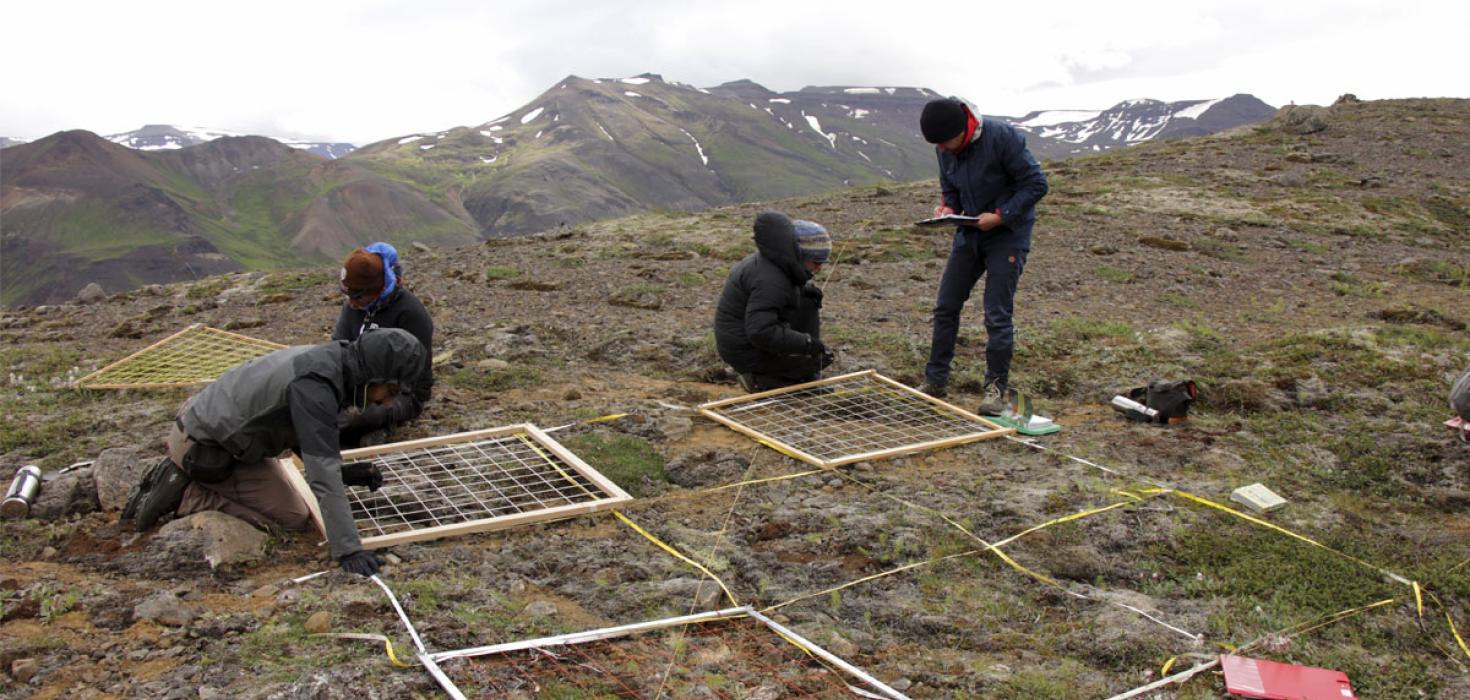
[223, 443]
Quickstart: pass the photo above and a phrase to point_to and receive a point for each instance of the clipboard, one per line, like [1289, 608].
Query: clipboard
[948, 220]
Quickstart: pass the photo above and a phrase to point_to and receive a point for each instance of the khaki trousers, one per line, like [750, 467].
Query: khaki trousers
[259, 494]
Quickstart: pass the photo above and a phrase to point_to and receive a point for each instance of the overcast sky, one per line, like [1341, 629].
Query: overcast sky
[364, 70]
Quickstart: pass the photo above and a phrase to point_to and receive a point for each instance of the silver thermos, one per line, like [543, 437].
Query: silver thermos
[22, 492]
[1134, 410]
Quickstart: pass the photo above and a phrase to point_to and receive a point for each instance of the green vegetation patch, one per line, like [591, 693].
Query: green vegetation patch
[630, 461]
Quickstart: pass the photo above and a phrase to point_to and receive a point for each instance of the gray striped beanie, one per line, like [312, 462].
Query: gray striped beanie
[812, 241]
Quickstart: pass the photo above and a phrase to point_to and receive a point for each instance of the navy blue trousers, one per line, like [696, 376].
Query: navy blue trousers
[968, 262]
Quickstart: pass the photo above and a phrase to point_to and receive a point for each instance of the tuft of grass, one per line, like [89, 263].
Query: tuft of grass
[501, 272]
[628, 460]
[1113, 274]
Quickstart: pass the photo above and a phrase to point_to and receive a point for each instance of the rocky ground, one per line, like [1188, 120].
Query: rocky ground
[1310, 274]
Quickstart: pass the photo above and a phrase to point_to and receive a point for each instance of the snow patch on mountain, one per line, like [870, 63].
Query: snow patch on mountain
[532, 115]
[702, 157]
[1194, 111]
[1059, 116]
[816, 126]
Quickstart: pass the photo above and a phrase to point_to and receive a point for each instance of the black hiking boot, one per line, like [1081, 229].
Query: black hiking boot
[156, 495]
[938, 391]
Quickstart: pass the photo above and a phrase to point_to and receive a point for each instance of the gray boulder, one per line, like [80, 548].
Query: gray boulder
[72, 493]
[210, 537]
[1302, 119]
[165, 608]
[91, 293]
[116, 471]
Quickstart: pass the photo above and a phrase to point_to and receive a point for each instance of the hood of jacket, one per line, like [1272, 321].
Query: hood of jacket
[383, 356]
[775, 240]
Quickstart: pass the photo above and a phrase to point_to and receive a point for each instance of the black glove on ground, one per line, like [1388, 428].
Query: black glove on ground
[362, 474]
[815, 348]
[827, 358]
[361, 562]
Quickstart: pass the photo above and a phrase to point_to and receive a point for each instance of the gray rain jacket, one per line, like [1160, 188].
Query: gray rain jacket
[290, 398]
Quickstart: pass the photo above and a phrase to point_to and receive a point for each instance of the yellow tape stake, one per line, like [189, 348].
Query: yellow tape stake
[604, 419]
[1167, 665]
[392, 657]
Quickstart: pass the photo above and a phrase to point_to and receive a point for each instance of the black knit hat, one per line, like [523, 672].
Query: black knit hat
[943, 120]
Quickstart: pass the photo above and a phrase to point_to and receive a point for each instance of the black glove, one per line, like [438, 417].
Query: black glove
[827, 358]
[815, 348]
[362, 474]
[361, 562]
[811, 291]
[372, 417]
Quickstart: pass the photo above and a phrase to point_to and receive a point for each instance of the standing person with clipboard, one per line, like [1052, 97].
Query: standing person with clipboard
[986, 172]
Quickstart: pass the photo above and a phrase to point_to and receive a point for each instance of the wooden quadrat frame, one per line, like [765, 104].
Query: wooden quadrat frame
[856, 417]
[198, 354]
[464, 483]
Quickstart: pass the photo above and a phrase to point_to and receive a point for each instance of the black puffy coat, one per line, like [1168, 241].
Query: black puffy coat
[401, 310]
[763, 316]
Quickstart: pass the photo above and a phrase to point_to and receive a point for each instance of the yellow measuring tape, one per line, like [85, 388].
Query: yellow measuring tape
[626, 521]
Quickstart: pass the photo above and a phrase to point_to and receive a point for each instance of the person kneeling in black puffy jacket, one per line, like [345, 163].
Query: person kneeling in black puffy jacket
[768, 322]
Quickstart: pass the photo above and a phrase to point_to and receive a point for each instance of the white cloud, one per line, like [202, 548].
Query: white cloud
[364, 70]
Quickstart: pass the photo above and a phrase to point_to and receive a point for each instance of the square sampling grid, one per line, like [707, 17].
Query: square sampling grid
[854, 417]
[196, 355]
[471, 482]
[727, 654]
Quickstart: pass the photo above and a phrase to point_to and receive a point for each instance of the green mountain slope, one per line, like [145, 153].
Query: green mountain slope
[75, 208]
[594, 149]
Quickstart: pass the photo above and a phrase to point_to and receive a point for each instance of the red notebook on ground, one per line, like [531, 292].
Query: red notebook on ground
[1254, 678]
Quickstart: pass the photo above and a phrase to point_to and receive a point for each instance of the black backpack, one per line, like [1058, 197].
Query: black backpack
[1170, 398]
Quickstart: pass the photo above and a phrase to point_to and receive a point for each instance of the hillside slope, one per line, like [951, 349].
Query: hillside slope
[1313, 284]
[76, 208]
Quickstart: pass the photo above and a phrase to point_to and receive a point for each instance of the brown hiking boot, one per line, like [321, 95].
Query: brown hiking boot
[994, 402]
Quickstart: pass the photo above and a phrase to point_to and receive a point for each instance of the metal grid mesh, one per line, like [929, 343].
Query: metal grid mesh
[465, 482]
[733, 658]
[194, 355]
[857, 415]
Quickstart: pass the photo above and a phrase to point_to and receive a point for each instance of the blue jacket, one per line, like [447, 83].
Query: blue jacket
[995, 171]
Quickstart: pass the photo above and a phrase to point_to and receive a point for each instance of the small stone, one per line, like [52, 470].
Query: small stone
[265, 591]
[841, 646]
[24, 670]
[541, 608]
[208, 692]
[571, 395]
[492, 364]
[91, 293]
[164, 608]
[421, 247]
[319, 622]
[48, 553]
